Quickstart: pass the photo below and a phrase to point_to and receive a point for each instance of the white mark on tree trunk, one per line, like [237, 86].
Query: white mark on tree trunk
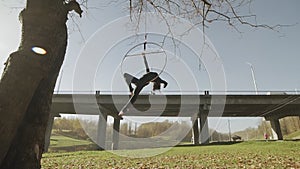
[37, 151]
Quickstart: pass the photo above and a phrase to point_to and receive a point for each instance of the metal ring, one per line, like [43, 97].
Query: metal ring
[133, 55]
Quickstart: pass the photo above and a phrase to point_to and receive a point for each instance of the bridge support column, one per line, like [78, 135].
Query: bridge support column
[195, 122]
[101, 131]
[116, 130]
[277, 135]
[49, 130]
[204, 133]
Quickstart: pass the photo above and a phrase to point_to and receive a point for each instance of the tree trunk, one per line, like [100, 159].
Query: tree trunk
[28, 82]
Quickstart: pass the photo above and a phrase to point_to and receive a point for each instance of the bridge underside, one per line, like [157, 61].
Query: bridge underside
[198, 107]
[181, 105]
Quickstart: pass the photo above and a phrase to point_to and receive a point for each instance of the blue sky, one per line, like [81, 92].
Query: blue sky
[274, 56]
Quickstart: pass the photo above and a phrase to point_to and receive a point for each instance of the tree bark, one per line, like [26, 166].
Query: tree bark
[28, 81]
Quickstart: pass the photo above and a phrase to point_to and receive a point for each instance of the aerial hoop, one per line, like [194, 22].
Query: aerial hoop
[145, 79]
[146, 52]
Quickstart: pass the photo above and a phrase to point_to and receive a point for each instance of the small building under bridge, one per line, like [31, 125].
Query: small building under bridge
[198, 107]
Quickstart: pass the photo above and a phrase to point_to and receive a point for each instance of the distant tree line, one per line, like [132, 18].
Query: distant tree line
[288, 125]
[168, 130]
[180, 131]
[69, 127]
[218, 136]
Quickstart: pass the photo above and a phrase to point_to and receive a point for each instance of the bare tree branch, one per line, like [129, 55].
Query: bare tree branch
[201, 13]
[204, 11]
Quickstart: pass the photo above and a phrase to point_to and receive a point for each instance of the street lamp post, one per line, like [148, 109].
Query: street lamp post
[253, 77]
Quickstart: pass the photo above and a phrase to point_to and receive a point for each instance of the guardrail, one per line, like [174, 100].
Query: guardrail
[202, 92]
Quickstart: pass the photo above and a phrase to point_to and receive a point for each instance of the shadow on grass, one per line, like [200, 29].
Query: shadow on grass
[211, 144]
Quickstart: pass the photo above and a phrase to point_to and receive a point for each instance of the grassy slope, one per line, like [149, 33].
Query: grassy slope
[295, 135]
[247, 154]
[63, 141]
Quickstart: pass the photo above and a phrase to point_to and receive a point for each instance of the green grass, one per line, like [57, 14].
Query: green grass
[63, 141]
[241, 155]
[59, 143]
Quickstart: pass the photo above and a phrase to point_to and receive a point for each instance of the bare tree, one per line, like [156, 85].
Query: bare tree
[28, 81]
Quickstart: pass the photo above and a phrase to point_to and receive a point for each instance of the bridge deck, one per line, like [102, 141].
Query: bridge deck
[180, 105]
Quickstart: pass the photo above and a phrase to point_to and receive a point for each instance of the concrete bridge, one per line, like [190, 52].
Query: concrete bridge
[198, 107]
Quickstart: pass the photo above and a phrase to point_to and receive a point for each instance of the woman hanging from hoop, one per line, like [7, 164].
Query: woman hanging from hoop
[142, 82]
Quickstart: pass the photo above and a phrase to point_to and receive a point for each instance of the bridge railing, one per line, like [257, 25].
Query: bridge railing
[201, 92]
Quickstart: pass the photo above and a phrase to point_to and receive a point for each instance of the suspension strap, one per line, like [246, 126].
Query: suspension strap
[144, 55]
